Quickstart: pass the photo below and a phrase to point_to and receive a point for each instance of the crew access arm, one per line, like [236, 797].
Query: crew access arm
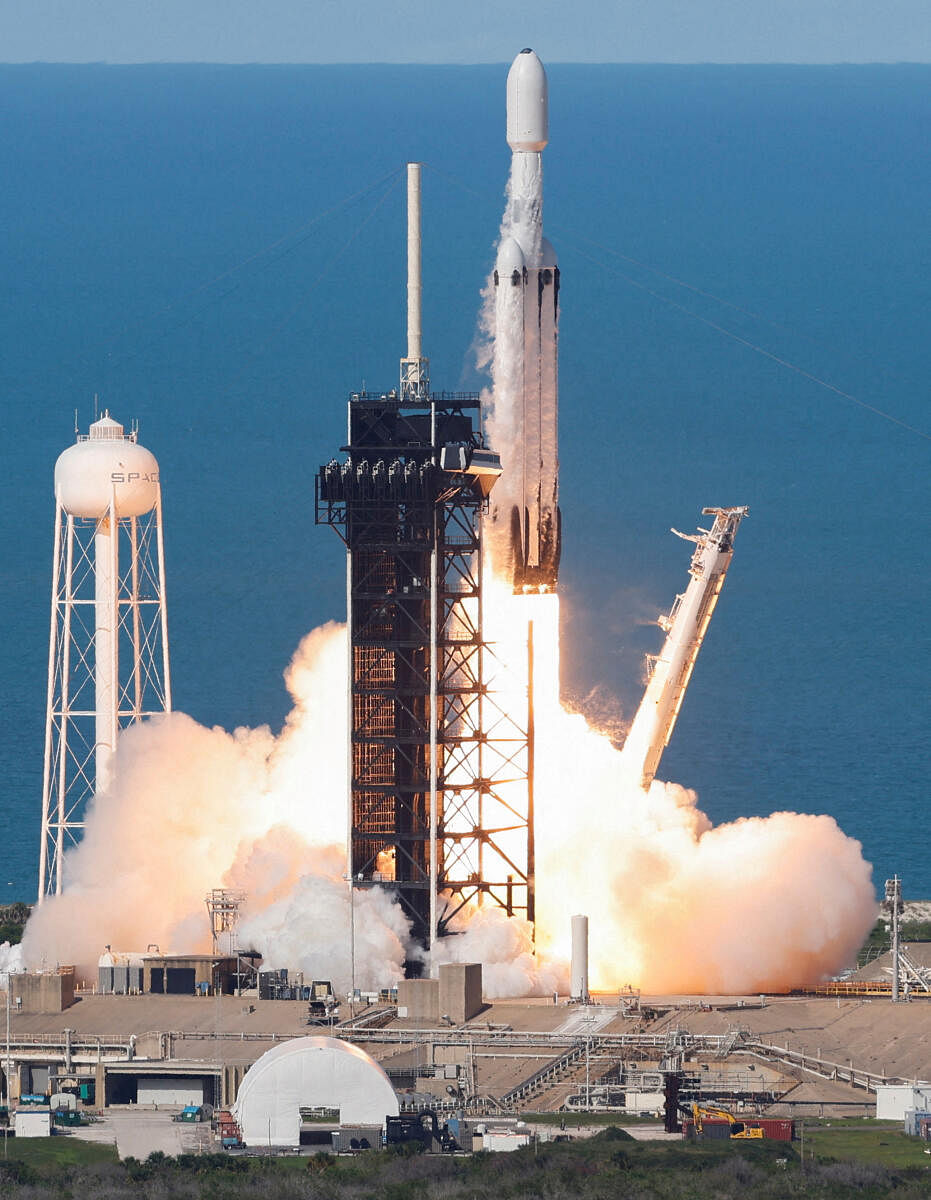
[685, 626]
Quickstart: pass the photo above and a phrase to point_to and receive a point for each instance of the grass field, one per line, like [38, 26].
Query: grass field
[886, 1146]
[60, 1151]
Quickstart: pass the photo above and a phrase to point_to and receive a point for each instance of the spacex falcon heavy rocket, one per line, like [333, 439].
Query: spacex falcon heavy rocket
[526, 315]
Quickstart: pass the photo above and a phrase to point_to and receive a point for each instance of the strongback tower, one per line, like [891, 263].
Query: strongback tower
[108, 643]
[438, 772]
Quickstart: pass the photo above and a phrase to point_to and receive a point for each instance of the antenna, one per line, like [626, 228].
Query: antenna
[415, 369]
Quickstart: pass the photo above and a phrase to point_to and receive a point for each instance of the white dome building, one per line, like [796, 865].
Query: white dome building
[311, 1073]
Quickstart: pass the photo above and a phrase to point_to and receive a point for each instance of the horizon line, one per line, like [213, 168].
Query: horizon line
[632, 62]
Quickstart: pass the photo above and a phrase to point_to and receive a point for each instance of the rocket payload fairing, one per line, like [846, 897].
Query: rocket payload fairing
[526, 316]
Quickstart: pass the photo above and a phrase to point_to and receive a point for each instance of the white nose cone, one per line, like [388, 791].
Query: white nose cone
[528, 121]
[510, 257]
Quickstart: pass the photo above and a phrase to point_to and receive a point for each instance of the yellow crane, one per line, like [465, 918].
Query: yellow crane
[701, 1112]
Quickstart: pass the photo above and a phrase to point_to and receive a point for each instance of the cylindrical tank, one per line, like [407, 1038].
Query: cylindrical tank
[103, 466]
[578, 970]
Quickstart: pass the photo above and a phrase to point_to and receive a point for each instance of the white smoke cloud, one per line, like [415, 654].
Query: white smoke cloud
[672, 898]
[11, 961]
[504, 946]
[310, 926]
[192, 808]
[675, 904]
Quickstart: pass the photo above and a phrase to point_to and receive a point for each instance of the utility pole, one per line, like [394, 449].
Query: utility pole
[6, 1075]
[588, 1087]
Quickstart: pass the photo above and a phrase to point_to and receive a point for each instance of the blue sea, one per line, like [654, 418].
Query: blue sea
[218, 253]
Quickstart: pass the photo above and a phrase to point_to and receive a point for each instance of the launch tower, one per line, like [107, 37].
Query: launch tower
[433, 757]
[108, 643]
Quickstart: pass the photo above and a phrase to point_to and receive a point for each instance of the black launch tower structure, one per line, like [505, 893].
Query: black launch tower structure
[441, 809]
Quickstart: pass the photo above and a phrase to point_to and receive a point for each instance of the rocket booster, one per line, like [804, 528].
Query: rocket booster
[526, 318]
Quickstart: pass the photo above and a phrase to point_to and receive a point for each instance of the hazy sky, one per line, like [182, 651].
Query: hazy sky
[465, 32]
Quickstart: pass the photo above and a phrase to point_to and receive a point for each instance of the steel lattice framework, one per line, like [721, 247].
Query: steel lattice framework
[440, 807]
[138, 655]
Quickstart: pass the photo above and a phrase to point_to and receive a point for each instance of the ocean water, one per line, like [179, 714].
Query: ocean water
[218, 253]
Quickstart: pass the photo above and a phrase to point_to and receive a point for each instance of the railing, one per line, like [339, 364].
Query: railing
[549, 1074]
[822, 1067]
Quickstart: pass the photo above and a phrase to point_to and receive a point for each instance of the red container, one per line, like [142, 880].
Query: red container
[776, 1129]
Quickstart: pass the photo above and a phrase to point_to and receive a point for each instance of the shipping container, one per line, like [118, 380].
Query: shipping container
[776, 1129]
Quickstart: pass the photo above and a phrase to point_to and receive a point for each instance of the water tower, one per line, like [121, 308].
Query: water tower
[108, 645]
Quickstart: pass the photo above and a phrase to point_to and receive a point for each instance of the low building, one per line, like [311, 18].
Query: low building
[455, 997]
[42, 991]
[419, 1000]
[894, 1100]
[32, 1122]
[195, 974]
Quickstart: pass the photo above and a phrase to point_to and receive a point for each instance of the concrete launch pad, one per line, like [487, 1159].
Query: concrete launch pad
[794, 1055]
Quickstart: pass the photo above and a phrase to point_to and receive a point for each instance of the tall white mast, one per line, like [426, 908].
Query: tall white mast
[415, 369]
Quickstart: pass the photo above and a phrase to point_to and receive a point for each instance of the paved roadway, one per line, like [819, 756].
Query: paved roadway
[139, 1131]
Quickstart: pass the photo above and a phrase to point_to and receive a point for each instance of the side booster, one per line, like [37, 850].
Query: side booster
[527, 311]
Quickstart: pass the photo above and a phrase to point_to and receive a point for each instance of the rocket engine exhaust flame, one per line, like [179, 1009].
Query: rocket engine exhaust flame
[675, 903]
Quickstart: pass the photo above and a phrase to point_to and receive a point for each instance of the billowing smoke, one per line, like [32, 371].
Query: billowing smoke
[193, 808]
[505, 948]
[676, 904]
[11, 961]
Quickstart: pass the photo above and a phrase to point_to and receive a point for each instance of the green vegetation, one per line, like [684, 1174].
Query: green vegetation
[13, 918]
[56, 1151]
[886, 1146]
[879, 939]
[610, 1165]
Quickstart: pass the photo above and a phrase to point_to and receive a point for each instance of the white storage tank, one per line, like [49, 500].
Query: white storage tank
[578, 972]
[104, 465]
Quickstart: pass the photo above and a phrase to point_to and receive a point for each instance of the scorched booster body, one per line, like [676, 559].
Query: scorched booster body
[526, 323]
